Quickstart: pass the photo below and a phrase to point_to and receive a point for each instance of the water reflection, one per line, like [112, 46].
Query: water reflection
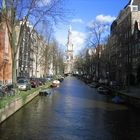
[75, 102]
[72, 112]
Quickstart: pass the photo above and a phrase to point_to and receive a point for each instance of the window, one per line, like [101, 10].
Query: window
[135, 8]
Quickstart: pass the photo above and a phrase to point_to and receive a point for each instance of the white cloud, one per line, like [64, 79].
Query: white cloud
[105, 19]
[78, 20]
[78, 39]
[62, 40]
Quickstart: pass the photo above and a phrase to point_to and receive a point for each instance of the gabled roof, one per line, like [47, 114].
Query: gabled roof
[128, 3]
[133, 2]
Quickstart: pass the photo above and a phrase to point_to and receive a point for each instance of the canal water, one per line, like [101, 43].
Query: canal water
[73, 111]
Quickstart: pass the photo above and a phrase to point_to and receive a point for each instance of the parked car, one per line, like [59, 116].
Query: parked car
[23, 84]
[43, 81]
[39, 81]
[34, 82]
[49, 78]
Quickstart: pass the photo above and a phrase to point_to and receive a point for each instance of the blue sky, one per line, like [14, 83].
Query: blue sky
[83, 12]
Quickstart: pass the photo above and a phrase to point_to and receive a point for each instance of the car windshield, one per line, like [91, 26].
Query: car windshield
[21, 81]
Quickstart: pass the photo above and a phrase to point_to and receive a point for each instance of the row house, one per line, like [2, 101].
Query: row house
[23, 68]
[29, 52]
[121, 44]
[34, 54]
[136, 53]
[5, 51]
[41, 44]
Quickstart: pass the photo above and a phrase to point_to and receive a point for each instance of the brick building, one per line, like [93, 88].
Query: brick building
[122, 44]
[5, 52]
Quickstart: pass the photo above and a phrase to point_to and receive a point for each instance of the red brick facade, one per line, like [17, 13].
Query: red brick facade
[5, 54]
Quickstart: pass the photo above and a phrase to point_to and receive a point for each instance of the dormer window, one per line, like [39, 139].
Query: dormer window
[134, 8]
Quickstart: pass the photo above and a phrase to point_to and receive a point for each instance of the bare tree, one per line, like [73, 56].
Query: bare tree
[45, 52]
[35, 11]
[97, 34]
[80, 62]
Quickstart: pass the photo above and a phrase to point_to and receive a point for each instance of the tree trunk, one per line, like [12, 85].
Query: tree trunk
[14, 54]
[14, 75]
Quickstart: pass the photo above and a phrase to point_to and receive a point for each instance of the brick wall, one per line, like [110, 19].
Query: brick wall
[5, 64]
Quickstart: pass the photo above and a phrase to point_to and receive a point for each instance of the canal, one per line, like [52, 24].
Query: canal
[73, 111]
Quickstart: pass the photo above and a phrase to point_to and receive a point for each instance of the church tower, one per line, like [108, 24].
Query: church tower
[69, 54]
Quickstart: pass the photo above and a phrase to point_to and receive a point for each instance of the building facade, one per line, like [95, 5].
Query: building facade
[5, 52]
[29, 55]
[24, 50]
[136, 54]
[121, 44]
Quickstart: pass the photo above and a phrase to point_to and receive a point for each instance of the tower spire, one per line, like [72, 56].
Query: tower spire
[69, 43]
[70, 28]
[69, 53]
